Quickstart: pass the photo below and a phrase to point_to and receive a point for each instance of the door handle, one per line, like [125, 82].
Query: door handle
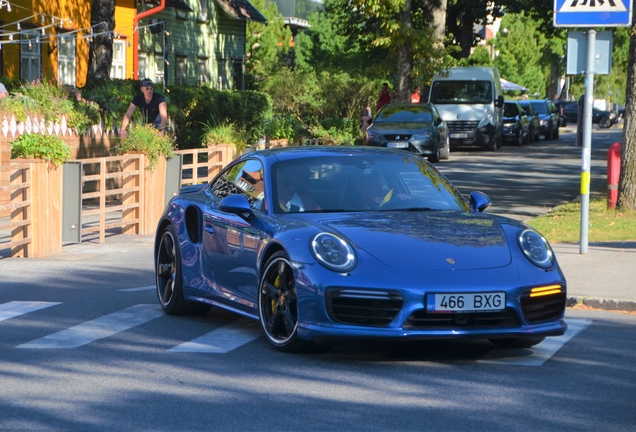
[209, 229]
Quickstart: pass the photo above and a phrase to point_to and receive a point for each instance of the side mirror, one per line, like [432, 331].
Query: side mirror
[500, 101]
[479, 201]
[238, 205]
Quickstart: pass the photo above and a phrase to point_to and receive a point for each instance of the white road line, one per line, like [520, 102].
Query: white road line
[537, 355]
[224, 339]
[13, 309]
[146, 288]
[99, 328]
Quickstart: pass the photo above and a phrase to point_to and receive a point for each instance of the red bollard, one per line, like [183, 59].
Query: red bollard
[613, 174]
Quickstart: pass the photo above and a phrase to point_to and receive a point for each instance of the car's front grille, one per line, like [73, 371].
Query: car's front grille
[397, 137]
[363, 306]
[461, 321]
[543, 308]
[462, 125]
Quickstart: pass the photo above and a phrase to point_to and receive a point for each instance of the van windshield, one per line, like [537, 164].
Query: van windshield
[461, 92]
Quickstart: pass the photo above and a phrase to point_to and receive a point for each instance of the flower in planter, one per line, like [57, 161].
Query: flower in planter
[35, 146]
[145, 139]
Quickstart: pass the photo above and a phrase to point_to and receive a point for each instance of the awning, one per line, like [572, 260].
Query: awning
[240, 9]
[507, 85]
[177, 4]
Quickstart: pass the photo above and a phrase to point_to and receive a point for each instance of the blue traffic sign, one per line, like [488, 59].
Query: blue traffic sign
[592, 13]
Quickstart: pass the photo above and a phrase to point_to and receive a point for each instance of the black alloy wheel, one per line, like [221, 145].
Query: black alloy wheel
[169, 277]
[278, 305]
[604, 123]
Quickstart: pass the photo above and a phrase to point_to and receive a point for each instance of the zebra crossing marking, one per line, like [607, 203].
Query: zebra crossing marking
[13, 309]
[224, 339]
[98, 328]
[538, 354]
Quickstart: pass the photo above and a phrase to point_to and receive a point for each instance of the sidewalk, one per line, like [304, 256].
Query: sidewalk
[604, 278]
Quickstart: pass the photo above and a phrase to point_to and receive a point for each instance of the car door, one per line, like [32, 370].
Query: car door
[231, 243]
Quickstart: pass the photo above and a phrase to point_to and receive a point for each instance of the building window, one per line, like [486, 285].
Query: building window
[223, 83]
[181, 73]
[142, 66]
[118, 67]
[66, 60]
[203, 76]
[30, 56]
[159, 71]
[203, 10]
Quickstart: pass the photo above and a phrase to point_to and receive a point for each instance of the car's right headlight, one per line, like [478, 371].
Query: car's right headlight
[372, 136]
[333, 252]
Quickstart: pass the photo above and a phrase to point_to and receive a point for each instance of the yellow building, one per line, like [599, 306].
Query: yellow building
[50, 39]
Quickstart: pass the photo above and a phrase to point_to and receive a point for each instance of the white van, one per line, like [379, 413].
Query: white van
[471, 101]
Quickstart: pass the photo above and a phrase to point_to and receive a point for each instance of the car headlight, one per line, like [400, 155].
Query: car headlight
[422, 136]
[372, 136]
[486, 120]
[333, 252]
[536, 248]
[543, 122]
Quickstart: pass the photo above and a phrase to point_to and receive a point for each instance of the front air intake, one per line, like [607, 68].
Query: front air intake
[375, 308]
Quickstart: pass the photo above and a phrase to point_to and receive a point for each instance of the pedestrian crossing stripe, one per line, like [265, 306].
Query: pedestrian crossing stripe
[99, 328]
[14, 309]
[593, 6]
[224, 339]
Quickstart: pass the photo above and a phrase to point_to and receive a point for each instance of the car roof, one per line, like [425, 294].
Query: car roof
[301, 152]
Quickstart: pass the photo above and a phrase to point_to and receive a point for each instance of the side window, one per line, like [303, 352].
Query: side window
[244, 178]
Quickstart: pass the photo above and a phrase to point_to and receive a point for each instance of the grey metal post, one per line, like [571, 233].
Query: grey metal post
[587, 140]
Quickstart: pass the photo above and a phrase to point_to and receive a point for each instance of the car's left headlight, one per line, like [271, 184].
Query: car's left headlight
[535, 248]
[422, 136]
[333, 252]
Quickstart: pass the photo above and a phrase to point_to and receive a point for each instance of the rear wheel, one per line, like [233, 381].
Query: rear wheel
[169, 277]
[516, 343]
[278, 305]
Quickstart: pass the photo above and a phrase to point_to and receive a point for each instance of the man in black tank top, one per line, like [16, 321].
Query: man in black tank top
[152, 105]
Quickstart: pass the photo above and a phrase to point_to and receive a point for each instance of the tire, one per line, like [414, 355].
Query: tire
[548, 135]
[494, 145]
[169, 277]
[278, 305]
[530, 135]
[434, 158]
[516, 343]
[556, 134]
[445, 152]
[520, 140]
[604, 123]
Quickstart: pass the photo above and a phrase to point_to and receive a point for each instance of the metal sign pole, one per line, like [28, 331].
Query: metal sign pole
[587, 140]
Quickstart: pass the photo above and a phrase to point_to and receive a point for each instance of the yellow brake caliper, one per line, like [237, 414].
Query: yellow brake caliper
[277, 286]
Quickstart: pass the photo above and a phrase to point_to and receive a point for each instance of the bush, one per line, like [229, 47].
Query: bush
[145, 139]
[224, 134]
[36, 146]
[112, 96]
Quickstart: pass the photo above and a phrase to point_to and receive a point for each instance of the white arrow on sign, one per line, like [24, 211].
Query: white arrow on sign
[593, 6]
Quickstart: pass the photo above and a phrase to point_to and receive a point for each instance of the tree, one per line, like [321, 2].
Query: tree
[100, 54]
[627, 182]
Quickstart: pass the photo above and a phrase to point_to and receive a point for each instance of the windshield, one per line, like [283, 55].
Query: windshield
[462, 92]
[415, 113]
[357, 183]
[540, 107]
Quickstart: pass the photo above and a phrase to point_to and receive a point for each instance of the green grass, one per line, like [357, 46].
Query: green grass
[563, 224]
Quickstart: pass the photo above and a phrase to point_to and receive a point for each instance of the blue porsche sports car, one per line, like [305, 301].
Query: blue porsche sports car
[334, 242]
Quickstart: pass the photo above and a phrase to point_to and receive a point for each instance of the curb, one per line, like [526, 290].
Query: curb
[603, 304]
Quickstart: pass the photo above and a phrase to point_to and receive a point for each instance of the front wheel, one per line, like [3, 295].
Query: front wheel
[516, 343]
[604, 123]
[278, 305]
[445, 152]
[434, 158]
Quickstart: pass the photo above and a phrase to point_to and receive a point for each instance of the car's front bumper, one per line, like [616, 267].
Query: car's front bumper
[423, 147]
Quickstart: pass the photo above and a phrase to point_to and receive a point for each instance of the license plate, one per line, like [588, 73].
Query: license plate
[463, 302]
[397, 144]
[459, 135]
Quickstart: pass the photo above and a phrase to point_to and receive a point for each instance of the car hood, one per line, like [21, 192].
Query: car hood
[428, 240]
[462, 112]
[398, 127]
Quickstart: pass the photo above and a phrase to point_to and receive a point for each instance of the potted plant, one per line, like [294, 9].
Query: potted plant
[144, 139]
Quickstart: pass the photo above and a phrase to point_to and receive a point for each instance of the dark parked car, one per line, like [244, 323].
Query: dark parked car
[319, 243]
[548, 117]
[516, 125]
[414, 127]
[604, 119]
[535, 125]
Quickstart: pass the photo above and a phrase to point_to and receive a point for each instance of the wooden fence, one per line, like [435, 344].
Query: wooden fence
[118, 196]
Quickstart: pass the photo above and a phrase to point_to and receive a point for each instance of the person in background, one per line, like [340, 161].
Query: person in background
[152, 105]
[3, 91]
[417, 95]
[365, 116]
[384, 97]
